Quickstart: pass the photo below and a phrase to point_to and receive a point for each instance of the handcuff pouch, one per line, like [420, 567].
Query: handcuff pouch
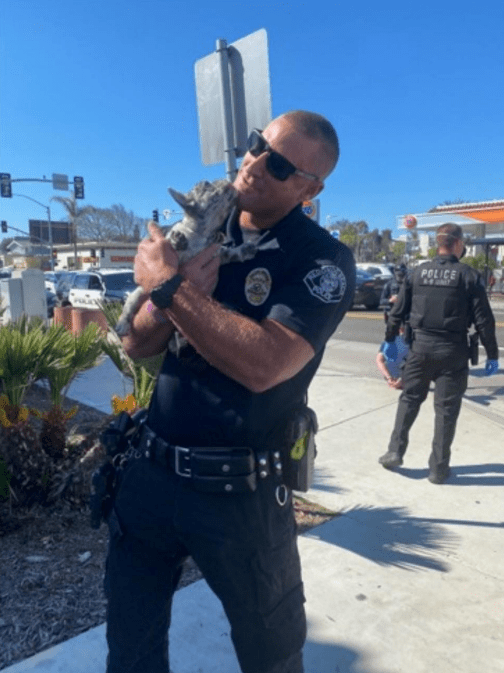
[299, 452]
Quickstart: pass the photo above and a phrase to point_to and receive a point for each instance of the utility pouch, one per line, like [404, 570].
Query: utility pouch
[473, 348]
[298, 456]
[117, 435]
[116, 439]
[408, 334]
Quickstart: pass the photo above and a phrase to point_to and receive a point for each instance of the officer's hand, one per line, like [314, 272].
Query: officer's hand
[390, 351]
[155, 261]
[203, 269]
[491, 367]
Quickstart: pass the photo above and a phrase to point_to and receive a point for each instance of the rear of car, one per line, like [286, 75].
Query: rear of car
[63, 287]
[382, 273]
[367, 291]
[51, 279]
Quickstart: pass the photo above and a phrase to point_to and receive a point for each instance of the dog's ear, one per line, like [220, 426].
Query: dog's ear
[181, 199]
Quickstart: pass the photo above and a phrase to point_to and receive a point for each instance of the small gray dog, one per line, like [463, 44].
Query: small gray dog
[206, 206]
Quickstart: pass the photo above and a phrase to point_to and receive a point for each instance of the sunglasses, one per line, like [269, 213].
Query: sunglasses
[277, 165]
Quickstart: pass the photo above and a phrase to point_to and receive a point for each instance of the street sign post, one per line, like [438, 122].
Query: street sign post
[233, 97]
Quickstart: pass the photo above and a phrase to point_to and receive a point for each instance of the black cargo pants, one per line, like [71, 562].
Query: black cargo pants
[245, 546]
[446, 365]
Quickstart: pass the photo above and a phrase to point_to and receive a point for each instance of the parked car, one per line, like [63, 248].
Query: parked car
[367, 290]
[63, 287]
[52, 301]
[382, 273]
[51, 279]
[89, 287]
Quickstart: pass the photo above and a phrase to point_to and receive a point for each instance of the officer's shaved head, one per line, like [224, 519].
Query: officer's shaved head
[448, 234]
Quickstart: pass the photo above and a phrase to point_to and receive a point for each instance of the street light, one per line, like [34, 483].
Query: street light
[48, 221]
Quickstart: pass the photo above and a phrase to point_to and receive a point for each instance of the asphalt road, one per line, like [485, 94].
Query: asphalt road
[368, 327]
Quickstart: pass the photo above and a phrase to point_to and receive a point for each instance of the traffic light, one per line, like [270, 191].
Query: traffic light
[78, 187]
[5, 185]
[4, 227]
[155, 215]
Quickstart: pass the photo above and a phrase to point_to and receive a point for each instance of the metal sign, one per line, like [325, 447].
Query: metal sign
[312, 209]
[233, 96]
[60, 181]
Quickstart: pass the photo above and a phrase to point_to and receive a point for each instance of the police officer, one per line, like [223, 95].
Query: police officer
[208, 481]
[444, 297]
[391, 289]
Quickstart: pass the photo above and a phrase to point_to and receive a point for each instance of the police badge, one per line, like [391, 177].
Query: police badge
[258, 286]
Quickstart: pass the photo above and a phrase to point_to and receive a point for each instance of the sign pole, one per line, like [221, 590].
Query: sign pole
[227, 113]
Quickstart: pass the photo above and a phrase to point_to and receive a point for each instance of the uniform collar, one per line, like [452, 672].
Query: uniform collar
[446, 258]
[294, 218]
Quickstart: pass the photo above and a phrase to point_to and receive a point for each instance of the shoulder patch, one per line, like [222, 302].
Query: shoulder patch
[327, 283]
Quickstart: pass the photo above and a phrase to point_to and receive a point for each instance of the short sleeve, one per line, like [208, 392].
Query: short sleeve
[317, 294]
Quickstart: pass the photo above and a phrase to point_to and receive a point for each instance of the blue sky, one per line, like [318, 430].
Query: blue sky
[105, 89]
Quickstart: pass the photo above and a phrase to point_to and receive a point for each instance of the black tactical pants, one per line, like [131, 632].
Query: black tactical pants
[245, 546]
[446, 365]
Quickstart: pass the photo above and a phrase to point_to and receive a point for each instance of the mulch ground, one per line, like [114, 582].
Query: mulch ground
[52, 562]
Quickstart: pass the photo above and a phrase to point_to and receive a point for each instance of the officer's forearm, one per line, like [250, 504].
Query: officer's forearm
[258, 356]
[147, 336]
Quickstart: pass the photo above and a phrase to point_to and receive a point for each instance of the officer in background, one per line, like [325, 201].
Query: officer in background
[391, 289]
[207, 480]
[443, 297]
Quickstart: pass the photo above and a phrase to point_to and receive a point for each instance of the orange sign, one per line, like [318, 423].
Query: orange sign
[116, 258]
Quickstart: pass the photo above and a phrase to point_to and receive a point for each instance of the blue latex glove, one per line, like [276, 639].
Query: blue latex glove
[491, 367]
[389, 351]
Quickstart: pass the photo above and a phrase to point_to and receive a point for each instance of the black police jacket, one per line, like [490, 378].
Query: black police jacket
[390, 288]
[443, 298]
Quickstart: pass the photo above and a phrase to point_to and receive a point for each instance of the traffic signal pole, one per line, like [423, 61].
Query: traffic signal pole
[48, 222]
[58, 182]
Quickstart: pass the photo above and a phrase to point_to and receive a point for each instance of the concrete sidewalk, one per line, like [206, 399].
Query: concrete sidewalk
[407, 579]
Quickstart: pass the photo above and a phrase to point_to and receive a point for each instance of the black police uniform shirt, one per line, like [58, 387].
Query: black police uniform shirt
[443, 298]
[307, 284]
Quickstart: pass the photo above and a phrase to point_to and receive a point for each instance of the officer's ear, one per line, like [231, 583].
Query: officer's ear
[311, 189]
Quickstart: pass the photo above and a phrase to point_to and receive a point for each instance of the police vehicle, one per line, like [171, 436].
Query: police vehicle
[101, 285]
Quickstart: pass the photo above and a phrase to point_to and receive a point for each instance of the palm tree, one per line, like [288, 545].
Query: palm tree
[74, 213]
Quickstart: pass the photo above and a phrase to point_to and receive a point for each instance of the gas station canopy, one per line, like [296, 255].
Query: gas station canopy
[479, 218]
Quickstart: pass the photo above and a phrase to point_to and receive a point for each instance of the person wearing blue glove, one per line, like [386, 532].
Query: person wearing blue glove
[442, 298]
[491, 367]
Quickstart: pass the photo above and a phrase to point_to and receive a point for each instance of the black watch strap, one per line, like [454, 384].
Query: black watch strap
[162, 295]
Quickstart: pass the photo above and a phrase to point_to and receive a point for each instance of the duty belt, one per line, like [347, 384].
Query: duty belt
[211, 469]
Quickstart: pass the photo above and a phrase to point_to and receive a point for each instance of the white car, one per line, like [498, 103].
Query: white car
[104, 285]
[379, 271]
[51, 279]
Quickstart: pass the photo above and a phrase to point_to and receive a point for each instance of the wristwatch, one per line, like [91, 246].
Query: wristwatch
[162, 295]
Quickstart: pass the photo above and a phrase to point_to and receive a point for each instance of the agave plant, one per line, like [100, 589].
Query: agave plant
[143, 374]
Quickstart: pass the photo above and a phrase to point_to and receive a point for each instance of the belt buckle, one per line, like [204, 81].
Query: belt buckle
[182, 472]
